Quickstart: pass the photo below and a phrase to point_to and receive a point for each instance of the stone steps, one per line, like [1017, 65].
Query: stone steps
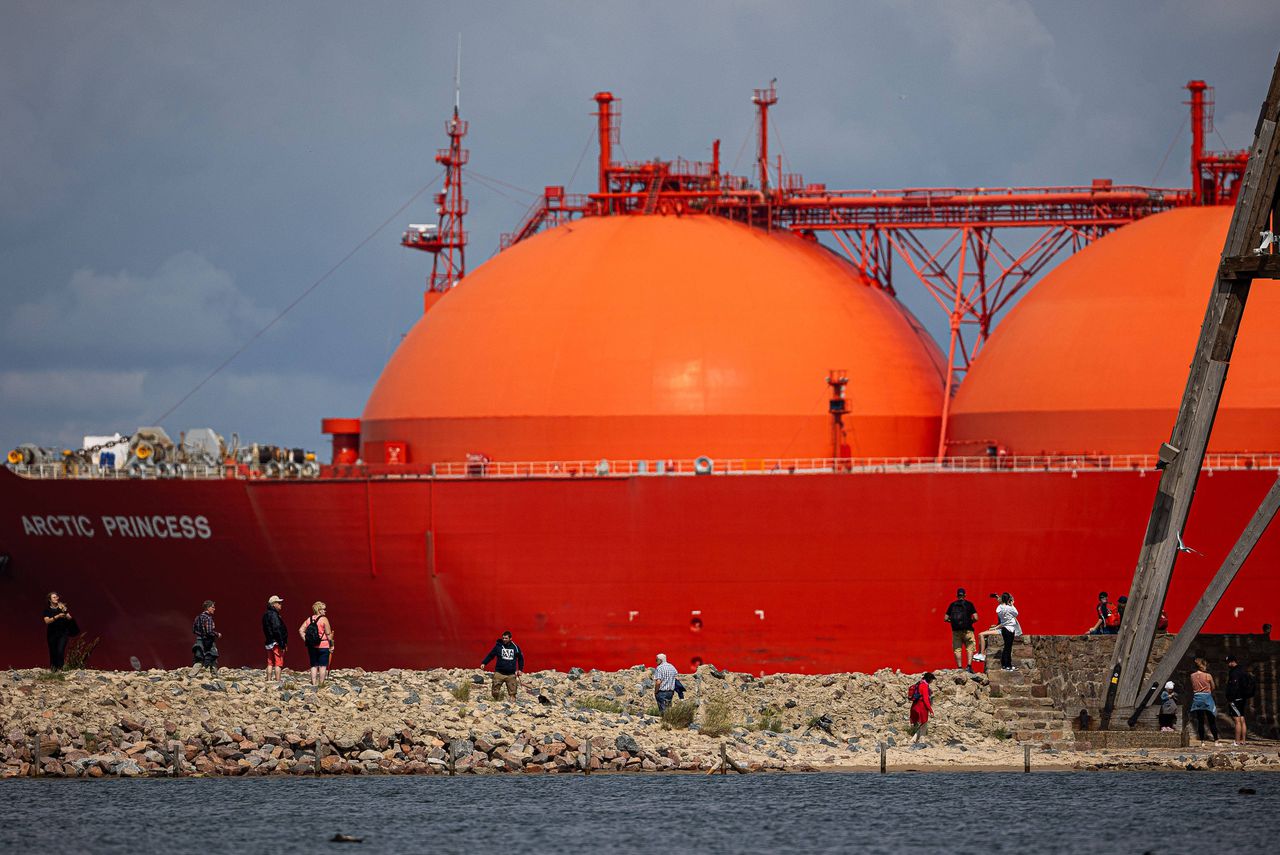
[1022, 703]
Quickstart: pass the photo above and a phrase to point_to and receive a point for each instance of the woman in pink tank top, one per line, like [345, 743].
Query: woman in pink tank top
[317, 635]
[1202, 706]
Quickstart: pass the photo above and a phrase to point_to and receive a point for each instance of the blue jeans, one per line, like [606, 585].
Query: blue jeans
[664, 699]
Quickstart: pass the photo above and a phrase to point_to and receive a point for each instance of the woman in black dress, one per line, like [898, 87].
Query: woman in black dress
[59, 627]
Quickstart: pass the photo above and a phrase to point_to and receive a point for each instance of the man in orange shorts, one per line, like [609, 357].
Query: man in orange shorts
[276, 636]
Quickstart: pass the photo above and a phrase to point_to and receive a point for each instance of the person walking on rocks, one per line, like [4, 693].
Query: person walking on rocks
[276, 636]
[1240, 687]
[205, 650]
[921, 697]
[961, 614]
[1007, 619]
[664, 682]
[317, 635]
[1202, 705]
[59, 626]
[507, 667]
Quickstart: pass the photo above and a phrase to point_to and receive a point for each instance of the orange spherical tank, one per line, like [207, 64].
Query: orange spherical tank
[1095, 357]
[657, 337]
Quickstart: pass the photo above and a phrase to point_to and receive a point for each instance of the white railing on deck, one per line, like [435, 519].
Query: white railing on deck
[656, 468]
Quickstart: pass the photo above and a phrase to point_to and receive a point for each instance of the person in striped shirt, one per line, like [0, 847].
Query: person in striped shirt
[664, 682]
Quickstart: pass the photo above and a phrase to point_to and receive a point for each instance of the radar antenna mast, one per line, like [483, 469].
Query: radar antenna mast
[446, 240]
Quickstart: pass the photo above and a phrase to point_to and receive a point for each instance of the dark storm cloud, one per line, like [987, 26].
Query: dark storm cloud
[175, 172]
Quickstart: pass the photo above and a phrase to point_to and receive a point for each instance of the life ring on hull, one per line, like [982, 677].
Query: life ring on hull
[292, 470]
[271, 470]
[703, 465]
[311, 469]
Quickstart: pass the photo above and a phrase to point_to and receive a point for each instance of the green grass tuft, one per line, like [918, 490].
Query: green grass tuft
[594, 702]
[717, 717]
[679, 715]
[462, 691]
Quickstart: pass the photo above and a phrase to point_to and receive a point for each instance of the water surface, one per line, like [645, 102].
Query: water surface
[956, 813]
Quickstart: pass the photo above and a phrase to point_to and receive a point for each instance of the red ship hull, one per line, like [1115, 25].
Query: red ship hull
[759, 573]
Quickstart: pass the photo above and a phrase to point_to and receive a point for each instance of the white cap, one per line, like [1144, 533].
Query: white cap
[272, 600]
[662, 657]
[1169, 685]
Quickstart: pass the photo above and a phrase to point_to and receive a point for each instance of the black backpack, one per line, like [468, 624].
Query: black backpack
[312, 634]
[958, 614]
[1248, 685]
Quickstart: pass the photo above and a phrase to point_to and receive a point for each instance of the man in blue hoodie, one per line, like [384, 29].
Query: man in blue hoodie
[508, 667]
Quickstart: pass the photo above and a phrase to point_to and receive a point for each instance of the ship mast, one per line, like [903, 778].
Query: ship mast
[447, 239]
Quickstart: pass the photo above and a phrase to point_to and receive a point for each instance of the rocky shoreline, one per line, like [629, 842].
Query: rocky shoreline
[162, 723]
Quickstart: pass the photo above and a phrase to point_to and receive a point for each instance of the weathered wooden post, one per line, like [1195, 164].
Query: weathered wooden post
[35, 755]
[586, 764]
[884, 758]
[1026, 758]
[319, 754]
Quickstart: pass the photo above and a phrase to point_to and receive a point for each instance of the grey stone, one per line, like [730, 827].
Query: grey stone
[477, 679]
[369, 754]
[460, 748]
[626, 742]
[575, 673]
[412, 698]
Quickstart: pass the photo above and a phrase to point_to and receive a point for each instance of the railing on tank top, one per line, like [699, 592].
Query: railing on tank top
[698, 467]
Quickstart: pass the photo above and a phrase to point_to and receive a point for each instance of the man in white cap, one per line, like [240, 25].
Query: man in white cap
[276, 636]
[664, 682]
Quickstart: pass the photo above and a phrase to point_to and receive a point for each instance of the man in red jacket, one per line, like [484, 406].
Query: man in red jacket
[921, 705]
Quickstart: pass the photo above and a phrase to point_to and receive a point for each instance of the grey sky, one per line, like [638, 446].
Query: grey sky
[175, 173]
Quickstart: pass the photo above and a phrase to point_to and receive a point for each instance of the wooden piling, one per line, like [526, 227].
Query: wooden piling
[35, 756]
[586, 765]
[178, 754]
[884, 758]
[319, 754]
[1026, 758]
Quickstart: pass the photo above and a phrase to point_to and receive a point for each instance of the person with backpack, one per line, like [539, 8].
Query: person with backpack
[507, 667]
[921, 696]
[961, 614]
[1007, 619]
[1108, 617]
[1202, 705]
[205, 651]
[317, 634]
[1240, 688]
[1168, 715]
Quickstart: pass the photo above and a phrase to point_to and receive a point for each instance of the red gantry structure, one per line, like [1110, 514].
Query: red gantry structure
[956, 243]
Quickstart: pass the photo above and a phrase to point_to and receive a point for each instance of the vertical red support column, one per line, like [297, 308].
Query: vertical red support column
[1197, 89]
[606, 131]
[764, 99]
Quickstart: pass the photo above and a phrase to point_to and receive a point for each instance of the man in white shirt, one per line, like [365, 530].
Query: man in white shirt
[664, 682]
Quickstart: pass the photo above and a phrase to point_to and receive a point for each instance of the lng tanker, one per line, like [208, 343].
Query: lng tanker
[668, 418]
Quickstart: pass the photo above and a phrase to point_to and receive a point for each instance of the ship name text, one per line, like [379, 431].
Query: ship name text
[159, 526]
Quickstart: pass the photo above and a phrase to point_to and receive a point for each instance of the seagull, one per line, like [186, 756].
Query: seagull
[1182, 547]
[1268, 238]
